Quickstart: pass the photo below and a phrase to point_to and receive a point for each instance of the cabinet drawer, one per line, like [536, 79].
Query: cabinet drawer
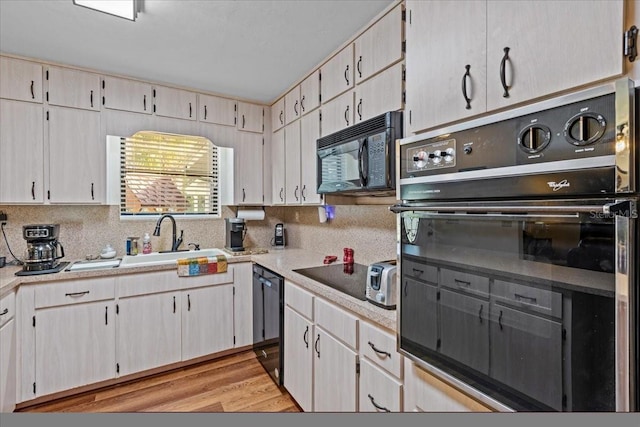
[378, 390]
[7, 308]
[207, 279]
[418, 271]
[466, 282]
[299, 300]
[337, 322]
[380, 347]
[147, 283]
[527, 297]
[74, 292]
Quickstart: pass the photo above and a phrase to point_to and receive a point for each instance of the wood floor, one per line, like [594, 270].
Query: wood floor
[236, 383]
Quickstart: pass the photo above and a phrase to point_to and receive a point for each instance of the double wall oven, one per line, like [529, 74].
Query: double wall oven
[518, 253]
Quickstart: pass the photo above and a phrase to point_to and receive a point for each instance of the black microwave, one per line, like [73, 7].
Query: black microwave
[360, 159]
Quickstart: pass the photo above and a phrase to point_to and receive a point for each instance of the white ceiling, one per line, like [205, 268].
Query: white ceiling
[253, 49]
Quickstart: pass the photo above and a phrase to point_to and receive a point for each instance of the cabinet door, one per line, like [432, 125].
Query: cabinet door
[8, 359]
[309, 134]
[214, 109]
[250, 117]
[379, 46]
[337, 114]
[465, 329]
[22, 148]
[419, 319]
[278, 165]
[378, 391]
[558, 52]
[298, 358]
[292, 109]
[380, 94]
[127, 95]
[148, 331]
[242, 304]
[75, 346]
[442, 39]
[248, 163]
[293, 194]
[337, 74]
[277, 114]
[20, 80]
[176, 103]
[522, 346]
[207, 320]
[310, 92]
[76, 156]
[335, 385]
[72, 88]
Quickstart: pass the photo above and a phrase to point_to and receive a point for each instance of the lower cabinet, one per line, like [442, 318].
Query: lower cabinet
[298, 356]
[378, 391]
[8, 354]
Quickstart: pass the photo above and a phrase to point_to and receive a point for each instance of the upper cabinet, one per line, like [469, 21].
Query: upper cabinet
[20, 80]
[73, 88]
[310, 93]
[380, 45]
[379, 94]
[292, 109]
[218, 110]
[277, 114]
[337, 74]
[127, 95]
[250, 117]
[176, 103]
[469, 57]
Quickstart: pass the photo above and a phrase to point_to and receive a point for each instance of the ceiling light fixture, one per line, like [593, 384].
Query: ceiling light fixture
[122, 8]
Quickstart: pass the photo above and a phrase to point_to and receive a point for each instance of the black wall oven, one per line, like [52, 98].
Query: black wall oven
[518, 253]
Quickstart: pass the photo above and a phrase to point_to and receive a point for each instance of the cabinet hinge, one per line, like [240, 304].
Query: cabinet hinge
[439, 343]
[409, 16]
[438, 296]
[263, 115]
[320, 98]
[263, 333]
[404, 47]
[234, 290]
[235, 107]
[321, 116]
[409, 116]
[564, 400]
[103, 100]
[47, 115]
[46, 95]
[154, 108]
[102, 83]
[262, 138]
[48, 194]
[404, 74]
[404, 96]
[357, 367]
[404, 15]
[47, 74]
[154, 93]
[117, 309]
[564, 334]
[234, 340]
[34, 388]
[319, 75]
[34, 321]
[630, 49]
[117, 368]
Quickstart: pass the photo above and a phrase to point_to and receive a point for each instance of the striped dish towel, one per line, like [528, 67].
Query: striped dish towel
[202, 265]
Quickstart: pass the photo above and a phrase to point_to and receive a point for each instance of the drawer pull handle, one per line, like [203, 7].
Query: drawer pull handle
[525, 300]
[33, 95]
[315, 346]
[305, 336]
[417, 271]
[188, 302]
[76, 294]
[384, 353]
[462, 283]
[5, 311]
[500, 320]
[503, 72]
[480, 312]
[373, 402]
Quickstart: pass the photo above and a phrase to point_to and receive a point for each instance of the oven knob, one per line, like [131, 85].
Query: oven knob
[534, 138]
[380, 297]
[420, 159]
[584, 128]
[468, 149]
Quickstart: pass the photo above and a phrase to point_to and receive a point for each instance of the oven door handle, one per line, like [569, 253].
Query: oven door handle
[504, 211]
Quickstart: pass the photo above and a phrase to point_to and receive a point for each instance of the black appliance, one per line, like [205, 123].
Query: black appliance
[518, 253]
[268, 321]
[278, 236]
[235, 230]
[350, 279]
[360, 159]
[42, 256]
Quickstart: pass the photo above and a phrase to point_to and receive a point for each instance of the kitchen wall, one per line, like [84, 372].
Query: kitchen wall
[84, 230]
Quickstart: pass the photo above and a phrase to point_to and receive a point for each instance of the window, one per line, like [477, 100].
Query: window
[164, 173]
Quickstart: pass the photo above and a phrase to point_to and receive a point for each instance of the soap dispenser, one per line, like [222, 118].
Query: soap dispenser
[146, 244]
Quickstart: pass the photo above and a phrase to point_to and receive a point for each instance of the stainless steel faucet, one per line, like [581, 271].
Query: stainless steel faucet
[175, 242]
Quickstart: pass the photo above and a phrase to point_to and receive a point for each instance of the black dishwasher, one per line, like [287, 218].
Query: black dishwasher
[268, 321]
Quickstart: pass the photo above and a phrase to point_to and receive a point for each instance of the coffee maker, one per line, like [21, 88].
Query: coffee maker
[42, 254]
[235, 230]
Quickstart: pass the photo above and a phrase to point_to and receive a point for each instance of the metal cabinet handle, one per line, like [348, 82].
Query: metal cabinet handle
[76, 294]
[295, 192]
[295, 107]
[346, 74]
[243, 121]
[33, 190]
[92, 195]
[174, 304]
[304, 188]
[346, 115]
[205, 112]
[503, 72]
[106, 315]
[462, 283]
[302, 103]
[244, 194]
[384, 353]
[465, 77]
[358, 66]
[91, 99]
[144, 102]
[315, 346]
[305, 336]
[359, 109]
[417, 271]
[373, 402]
[6, 310]
[480, 312]
[500, 320]
[281, 191]
[281, 117]
[33, 94]
[406, 284]
[189, 109]
[188, 302]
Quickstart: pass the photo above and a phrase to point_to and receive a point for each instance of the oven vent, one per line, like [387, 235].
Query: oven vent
[368, 127]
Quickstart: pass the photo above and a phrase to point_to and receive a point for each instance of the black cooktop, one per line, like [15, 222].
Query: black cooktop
[348, 278]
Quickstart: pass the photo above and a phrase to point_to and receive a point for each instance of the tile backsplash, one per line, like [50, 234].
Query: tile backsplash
[85, 230]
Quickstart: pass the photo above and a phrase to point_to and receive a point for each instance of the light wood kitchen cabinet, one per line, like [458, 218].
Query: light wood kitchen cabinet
[22, 148]
[250, 117]
[248, 167]
[20, 80]
[378, 391]
[309, 134]
[242, 304]
[73, 88]
[278, 162]
[218, 110]
[298, 356]
[380, 94]
[8, 353]
[379, 46]
[310, 92]
[176, 103]
[76, 156]
[292, 108]
[337, 74]
[127, 95]
[277, 114]
[293, 193]
[337, 114]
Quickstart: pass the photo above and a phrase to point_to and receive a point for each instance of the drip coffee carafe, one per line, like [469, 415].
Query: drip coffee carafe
[42, 247]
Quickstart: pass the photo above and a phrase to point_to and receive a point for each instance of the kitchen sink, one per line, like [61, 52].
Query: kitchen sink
[164, 258]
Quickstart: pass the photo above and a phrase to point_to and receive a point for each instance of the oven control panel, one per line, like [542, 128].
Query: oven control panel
[434, 155]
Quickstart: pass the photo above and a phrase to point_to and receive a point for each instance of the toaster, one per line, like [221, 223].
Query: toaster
[381, 284]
